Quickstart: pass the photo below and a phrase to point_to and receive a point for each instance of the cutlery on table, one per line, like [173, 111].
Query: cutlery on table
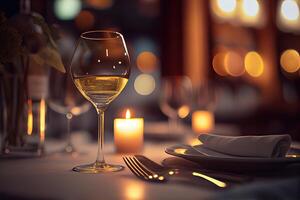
[161, 174]
[141, 171]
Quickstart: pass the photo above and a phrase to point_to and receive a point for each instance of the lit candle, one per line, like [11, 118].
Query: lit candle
[203, 121]
[42, 121]
[129, 134]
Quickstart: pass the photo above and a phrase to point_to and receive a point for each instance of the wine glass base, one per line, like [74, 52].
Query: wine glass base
[96, 168]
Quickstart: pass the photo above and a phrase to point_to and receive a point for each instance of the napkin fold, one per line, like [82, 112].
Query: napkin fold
[248, 146]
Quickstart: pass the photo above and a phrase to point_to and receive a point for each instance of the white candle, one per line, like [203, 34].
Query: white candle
[203, 121]
[129, 134]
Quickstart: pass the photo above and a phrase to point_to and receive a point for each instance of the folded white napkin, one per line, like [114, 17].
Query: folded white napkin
[247, 146]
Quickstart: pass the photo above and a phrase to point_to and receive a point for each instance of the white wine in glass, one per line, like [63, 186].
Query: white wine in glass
[100, 69]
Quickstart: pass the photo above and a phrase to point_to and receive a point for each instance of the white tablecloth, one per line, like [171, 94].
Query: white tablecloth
[51, 177]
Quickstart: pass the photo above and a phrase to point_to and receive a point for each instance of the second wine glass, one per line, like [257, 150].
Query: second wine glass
[100, 69]
[65, 99]
[175, 99]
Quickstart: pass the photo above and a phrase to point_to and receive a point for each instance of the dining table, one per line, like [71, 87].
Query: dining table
[51, 177]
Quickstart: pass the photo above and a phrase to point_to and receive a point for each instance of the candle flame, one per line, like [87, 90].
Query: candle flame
[42, 120]
[127, 114]
[30, 117]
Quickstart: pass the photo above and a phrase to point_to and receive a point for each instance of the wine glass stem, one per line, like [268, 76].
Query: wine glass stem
[69, 118]
[100, 155]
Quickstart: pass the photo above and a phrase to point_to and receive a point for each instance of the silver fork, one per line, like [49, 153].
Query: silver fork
[141, 171]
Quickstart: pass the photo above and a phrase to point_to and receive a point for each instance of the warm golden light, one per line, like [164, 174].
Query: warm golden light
[134, 190]
[224, 8]
[183, 111]
[227, 6]
[215, 181]
[234, 64]
[289, 10]
[42, 120]
[147, 62]
[85, 20]
[129, 134]
[254, 64]
[161, 178]
[144, 84]
[180, 151]
[203, 121]
[290, 60]
[171, 173]
[127, 115]
[219, 64]
[30, 117]
[250, 8]
[194, 142]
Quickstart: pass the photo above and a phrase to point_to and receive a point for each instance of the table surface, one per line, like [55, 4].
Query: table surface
[51, 177]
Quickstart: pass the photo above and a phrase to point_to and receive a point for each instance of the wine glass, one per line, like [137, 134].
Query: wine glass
[100, 69]
[65, 99]
[175, 99]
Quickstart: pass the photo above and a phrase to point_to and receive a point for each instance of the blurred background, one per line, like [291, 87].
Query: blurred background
[241, 58]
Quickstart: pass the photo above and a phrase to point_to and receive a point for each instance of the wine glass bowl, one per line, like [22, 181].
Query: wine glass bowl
[100, 69]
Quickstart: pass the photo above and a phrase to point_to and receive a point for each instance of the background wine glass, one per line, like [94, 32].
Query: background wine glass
[176, 99]
[100, 70]
[65, 99]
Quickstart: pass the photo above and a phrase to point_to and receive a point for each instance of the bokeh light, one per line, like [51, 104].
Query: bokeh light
[134, 190]
[147, 61]
[289, 10]
[233, 63]
[254, 64]
[224, 9]
[100, 4]
[290, 60]
[250, 7]
[85, 20]
[218, 64]
[183, 111]
[227, 5]
[144, 84]
[67, 9]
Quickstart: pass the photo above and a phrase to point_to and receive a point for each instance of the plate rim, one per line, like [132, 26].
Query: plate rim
[170, 151]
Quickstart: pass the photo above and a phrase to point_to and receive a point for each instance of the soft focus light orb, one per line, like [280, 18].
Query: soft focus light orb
[233, 63]
[227, 5]
[250, 7]
[67, 9]
[289, 10]
[183, 111]
[85, 20]
[144, 84]
[254, 64]
[134, 190]
[290, 60]
[218, 64]
[147, 61]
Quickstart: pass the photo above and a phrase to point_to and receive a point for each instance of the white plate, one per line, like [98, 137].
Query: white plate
[231, 163]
